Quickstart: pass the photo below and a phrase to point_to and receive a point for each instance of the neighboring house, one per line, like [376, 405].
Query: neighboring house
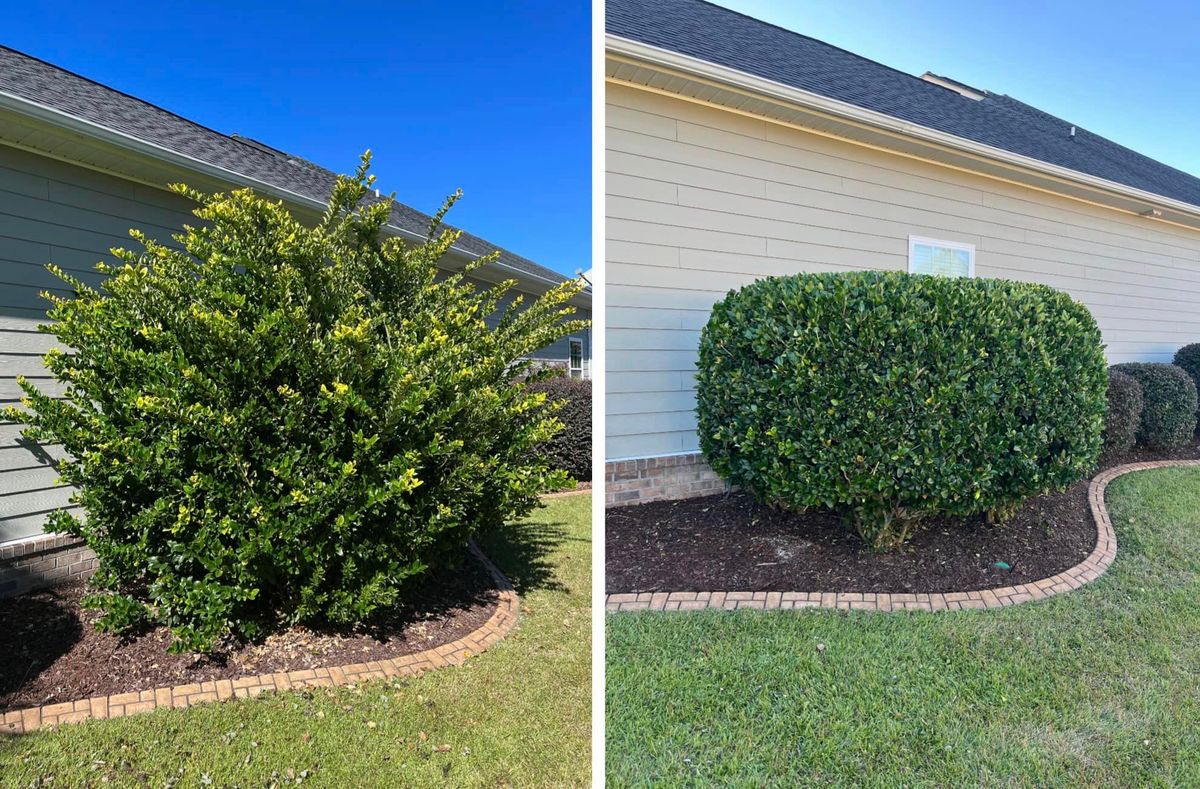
[81, 164]
[737, 150]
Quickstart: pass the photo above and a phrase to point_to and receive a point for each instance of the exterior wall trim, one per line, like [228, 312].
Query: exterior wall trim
[712, 74]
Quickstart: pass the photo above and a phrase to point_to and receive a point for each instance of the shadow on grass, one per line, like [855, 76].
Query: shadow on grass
[522, 551]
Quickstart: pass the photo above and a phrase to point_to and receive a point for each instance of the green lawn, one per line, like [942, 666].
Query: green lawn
[1099, 687]
[519, 714]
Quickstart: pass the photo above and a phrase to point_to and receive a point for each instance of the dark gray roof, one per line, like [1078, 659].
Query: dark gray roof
[727, 38]
[33, 79]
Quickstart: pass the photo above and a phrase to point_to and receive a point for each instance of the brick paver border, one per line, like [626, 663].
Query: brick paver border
[1089, 569]
[134, 702]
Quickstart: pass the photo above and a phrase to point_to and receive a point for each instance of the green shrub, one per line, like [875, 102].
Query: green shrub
[1188, 357]
[1168, 404]
[899, 396]
[1124, 413]
[288, 423]
[571, 448]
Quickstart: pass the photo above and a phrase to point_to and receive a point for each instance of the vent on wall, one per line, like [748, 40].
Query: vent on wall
[954, 85]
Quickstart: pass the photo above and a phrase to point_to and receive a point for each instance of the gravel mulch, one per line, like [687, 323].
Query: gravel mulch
[52, 653]
[730, 542]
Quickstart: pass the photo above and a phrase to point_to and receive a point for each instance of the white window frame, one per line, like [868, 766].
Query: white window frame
[937, 242]
[575, 372]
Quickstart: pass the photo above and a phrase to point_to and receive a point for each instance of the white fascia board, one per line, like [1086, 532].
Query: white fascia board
[127, 142]
[657, 56]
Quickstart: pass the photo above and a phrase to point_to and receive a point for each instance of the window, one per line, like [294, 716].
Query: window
[945, 258]
[575, 363]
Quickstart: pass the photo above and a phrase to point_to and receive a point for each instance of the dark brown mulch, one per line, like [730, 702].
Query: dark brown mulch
[730, 542]
[52, 653]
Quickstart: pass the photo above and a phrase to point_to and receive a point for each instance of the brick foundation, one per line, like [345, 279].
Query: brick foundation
[43, 561]
[655, 479]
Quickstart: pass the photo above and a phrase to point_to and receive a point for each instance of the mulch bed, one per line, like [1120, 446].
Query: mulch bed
[729, 542]
[52, 653]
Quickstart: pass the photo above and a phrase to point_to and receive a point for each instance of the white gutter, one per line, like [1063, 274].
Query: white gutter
[73, 123]
[813, 101]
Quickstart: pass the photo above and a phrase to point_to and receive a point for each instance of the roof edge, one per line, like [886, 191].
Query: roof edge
[740, 81]
[129, 143]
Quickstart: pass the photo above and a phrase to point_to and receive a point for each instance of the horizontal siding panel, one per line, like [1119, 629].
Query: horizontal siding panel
[779, 147]
[652, 339]
[42, 477]
[17, 504]
[617, 381]
[644, 445]
[10, 391]
[756, 199]
[28, 524]
[633, 318]
[19, 456]
[619, 403]
[27, 342]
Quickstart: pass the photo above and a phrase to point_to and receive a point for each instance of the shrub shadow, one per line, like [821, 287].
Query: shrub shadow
[38, 628]
[521, 550]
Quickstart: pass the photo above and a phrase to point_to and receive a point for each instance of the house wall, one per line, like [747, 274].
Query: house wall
[55, 212]
[51, 211]
[701, 200]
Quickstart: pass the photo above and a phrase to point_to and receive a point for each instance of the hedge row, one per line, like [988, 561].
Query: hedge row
[1124, 413]
[571, 448]
[1168, 417]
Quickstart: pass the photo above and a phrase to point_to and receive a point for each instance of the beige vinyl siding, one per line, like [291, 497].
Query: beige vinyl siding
[55, 212]
[701, 200]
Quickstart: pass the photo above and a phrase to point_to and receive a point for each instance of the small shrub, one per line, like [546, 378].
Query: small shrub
[899, 396]
[571, 448]
[1124, 413]
[283, 423]
[1168, 404]
[1188, 357]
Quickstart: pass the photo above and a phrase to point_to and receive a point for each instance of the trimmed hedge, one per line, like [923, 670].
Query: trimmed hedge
[571, 448]
[1188, 357]
[899, 396]
[1168, 403]
[1124, 413]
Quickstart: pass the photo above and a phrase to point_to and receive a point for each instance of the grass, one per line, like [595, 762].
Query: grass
[517, 715]
[1099, 687]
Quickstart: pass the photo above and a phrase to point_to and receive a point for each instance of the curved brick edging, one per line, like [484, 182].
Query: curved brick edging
[121, 704]
[1089, 569]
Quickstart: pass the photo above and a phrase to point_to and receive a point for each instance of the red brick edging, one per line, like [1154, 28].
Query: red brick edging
[1089, 569]
[134, 702]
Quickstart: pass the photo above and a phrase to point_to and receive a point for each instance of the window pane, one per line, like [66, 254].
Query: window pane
[943, 261]
[576, 353]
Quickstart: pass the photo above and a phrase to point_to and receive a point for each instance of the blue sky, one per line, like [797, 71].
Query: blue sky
[1126, 71]
[490, 97]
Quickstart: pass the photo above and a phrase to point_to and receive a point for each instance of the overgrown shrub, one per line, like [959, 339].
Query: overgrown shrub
[1188, 357]
[899, 396]
[1168, 403]
[286, 423]
[571, 448]
[1124, 413]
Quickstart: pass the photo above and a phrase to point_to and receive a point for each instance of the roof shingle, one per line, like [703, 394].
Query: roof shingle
[727, 38]
[35, 80]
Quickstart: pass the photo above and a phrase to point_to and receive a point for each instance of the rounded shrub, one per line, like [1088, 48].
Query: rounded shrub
[277, 422]
[1188, 357]
[1124, 413]
[898, 396]
[1168, 404]
[571, 448]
